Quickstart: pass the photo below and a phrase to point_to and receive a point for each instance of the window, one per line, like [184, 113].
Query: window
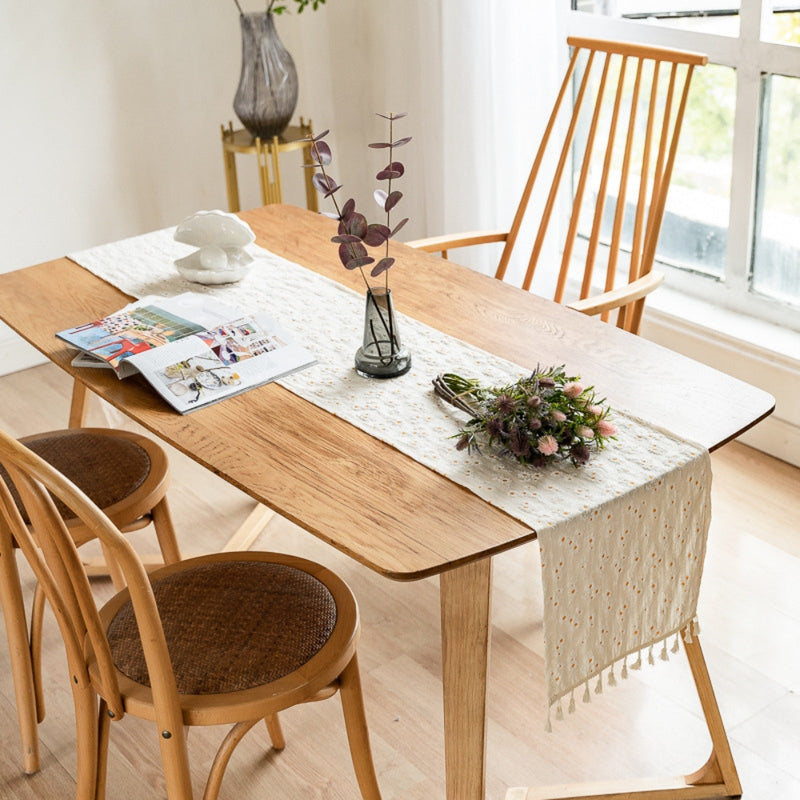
[731, 232]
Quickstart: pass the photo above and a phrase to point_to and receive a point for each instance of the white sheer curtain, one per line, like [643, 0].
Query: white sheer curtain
[477, 78]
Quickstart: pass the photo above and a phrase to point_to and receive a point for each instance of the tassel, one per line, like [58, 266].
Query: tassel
[696, 625]
[571, 708]
[624, 672]
[559, 711]
[587, 698]
[612, 680]
[638, 663]
[676, 644]
[650, 659]
[664, 655]
[599, 688]
[687, 634]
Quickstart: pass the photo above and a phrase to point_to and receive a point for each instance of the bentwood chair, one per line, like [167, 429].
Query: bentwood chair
[127, 475]
[607, 161]
[231, 638]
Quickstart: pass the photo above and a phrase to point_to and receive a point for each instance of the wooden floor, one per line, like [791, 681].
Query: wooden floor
[648, 725]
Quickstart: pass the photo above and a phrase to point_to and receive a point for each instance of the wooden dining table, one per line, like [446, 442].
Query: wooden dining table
[362, 496]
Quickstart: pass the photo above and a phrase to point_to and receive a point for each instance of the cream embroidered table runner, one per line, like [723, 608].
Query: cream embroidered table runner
[622, 539]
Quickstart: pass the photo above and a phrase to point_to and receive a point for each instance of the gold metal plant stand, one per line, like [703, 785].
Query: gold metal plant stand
[266, 152]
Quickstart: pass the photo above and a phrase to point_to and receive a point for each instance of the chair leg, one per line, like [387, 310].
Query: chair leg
[87, 736]
[165, 531]
[275, 732]
[355, 720]
[175, 762]
[103, 728]
[223, 756]
[22, 669]
[37, 622]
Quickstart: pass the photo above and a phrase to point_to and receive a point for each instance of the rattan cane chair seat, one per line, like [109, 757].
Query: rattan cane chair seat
[107, 467]
[220, 619]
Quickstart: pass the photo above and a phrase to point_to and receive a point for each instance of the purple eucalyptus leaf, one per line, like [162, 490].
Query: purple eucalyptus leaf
[392, 116]
[352, 253]
[332, 190]
[380, 197]
[379, 145]
[356, 225]
[376, 235]
[323, 183]
[345, 238]
[381, 266]
[401, 142]
[392, 200]
[321, 136]
[355, 263]
[348, 208]
[322, 153]
[393, 170]
[398, 226]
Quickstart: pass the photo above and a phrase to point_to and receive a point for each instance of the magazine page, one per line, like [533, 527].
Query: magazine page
[143, 326]
[220, 362]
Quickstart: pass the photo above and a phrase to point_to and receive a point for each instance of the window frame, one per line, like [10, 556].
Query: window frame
[752, 59]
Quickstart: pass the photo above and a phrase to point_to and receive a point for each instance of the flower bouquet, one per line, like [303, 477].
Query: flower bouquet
[542, 418]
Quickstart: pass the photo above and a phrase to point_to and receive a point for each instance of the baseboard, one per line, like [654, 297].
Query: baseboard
[776, 373]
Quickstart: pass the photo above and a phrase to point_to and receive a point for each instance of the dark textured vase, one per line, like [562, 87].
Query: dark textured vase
[267, 93]
[381, 354]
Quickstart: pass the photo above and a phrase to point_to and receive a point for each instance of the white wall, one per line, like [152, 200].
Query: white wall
[112, 110]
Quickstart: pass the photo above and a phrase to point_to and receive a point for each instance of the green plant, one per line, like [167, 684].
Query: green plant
[282, 7]
[538, 419]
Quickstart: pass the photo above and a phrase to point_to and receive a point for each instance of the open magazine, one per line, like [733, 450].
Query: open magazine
[192, 349]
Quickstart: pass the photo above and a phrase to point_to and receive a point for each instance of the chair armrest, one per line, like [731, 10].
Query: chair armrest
[441, 244]
[620, 296]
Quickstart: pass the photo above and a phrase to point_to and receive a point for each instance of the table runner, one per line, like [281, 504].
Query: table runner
[622, 539]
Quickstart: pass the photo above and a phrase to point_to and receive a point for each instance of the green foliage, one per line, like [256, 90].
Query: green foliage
[542, 418]
[300, 6]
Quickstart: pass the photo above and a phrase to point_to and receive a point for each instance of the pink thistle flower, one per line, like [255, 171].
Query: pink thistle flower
[548, 445]
[573, 389]
[505, 404]
[584, 432]
[594, 410]
[557, 416]
[606, 428]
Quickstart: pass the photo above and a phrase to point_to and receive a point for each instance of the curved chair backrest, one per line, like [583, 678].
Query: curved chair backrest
[620, 135]
[57, 565]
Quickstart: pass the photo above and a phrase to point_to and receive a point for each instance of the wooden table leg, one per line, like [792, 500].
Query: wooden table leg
[249, 530]
[716, 779]
[466, 611]
[79, 405]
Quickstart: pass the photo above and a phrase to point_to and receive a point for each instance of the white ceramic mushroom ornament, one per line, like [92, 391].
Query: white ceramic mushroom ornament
[221, 239]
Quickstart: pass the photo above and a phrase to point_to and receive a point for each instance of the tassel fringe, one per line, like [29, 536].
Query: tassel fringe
[692, 628]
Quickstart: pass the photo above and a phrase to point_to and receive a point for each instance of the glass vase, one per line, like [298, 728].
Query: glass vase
[267, 94]
[381, 354]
